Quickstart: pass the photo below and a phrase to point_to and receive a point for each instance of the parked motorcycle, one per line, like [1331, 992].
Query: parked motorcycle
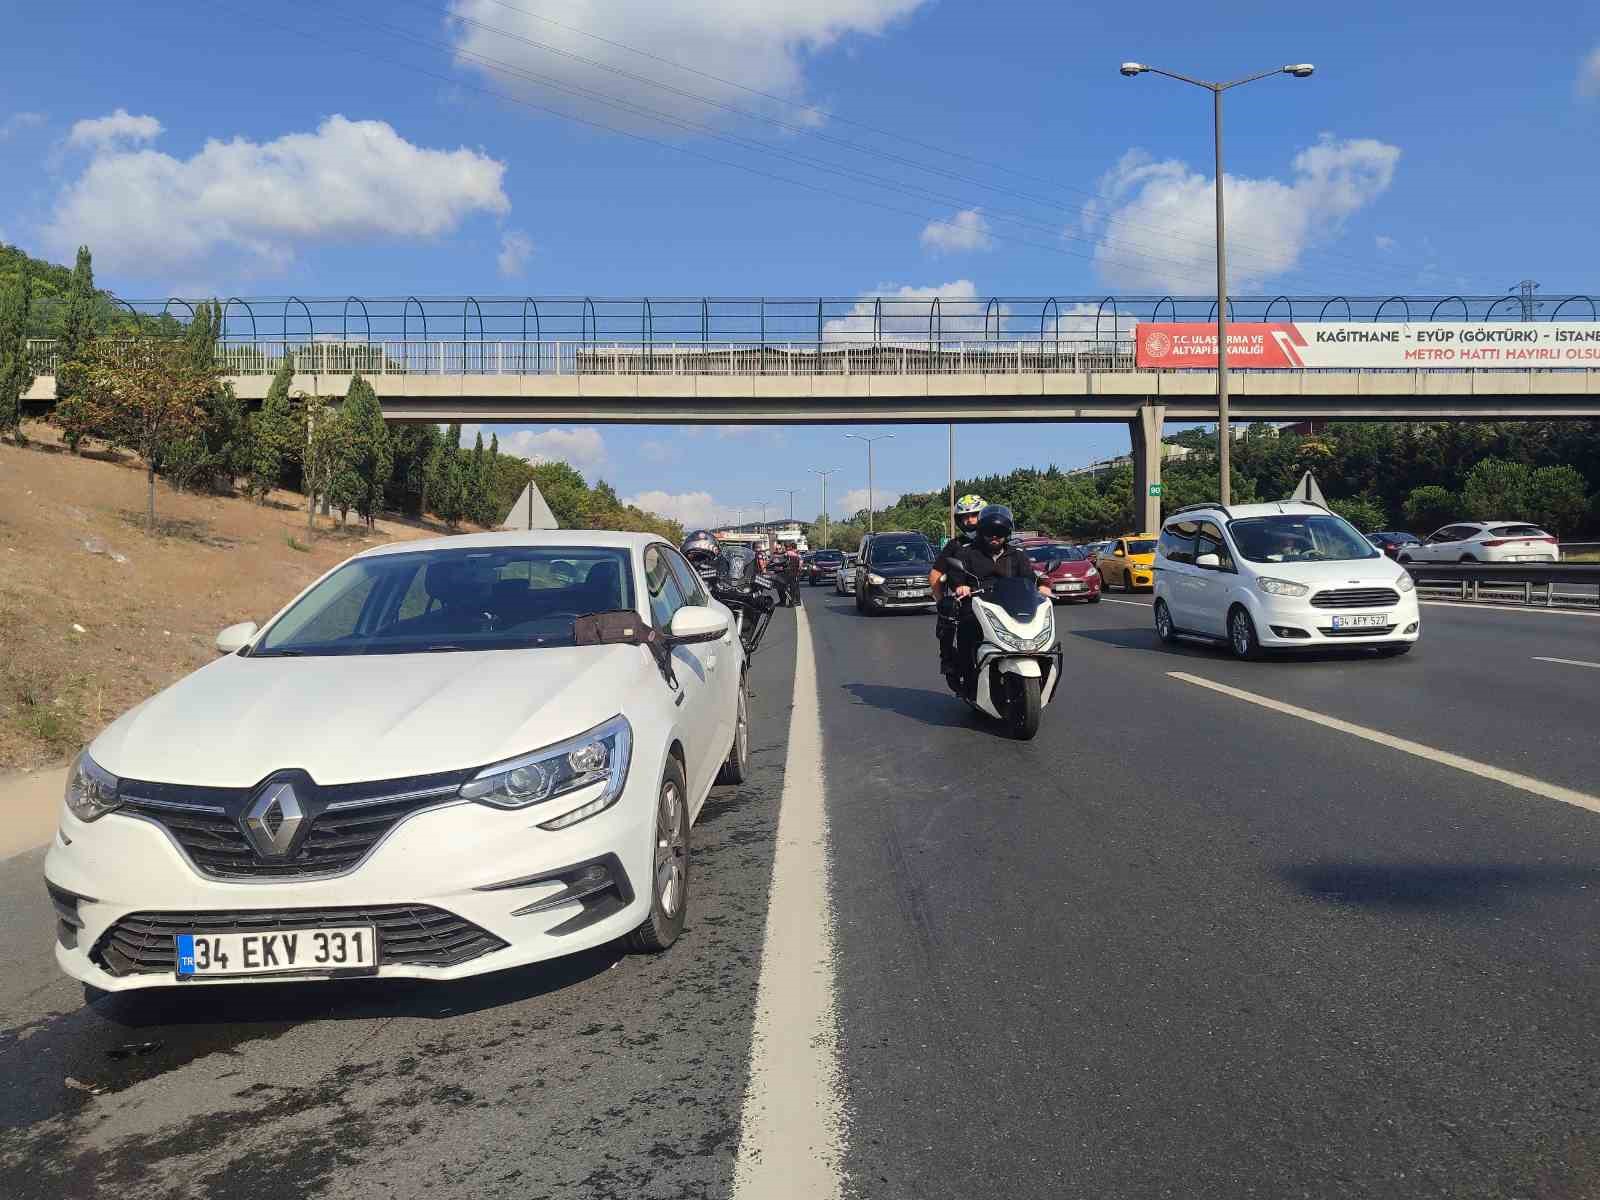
[1012, 672]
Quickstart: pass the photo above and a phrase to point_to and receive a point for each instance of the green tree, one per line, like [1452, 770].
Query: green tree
[447, 492]
[492, 512]
[477, 484]
[73, 341]
[272, 434]
[565, 492]
[146, 396]
[1495, 489]
[1361, 511]
[16, 367]
[367, 458]
[1429, 507]
[1556, 499]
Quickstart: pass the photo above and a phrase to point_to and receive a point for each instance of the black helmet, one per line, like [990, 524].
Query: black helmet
[995, 521]
[701, 548]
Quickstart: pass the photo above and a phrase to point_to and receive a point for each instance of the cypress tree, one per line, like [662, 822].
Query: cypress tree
[367, 445]
[477, 491]
[72, 346]
[272, 432]
[491, 473]
[16, 369]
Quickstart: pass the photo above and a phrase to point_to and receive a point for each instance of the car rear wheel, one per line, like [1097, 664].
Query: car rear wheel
[737, 764]
[1404, 558]
[1127, 582]
[669, 856]
[1242, 638]
[1467, 558]
[1164, 627]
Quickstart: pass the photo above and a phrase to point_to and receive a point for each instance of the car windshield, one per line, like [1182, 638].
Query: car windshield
[1142, 546]
[1299, 537]
[1047, 558]
[828, 556]
[889, 551]
[431, 601]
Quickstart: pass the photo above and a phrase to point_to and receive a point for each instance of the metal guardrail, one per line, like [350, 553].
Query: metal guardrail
[1501, 581]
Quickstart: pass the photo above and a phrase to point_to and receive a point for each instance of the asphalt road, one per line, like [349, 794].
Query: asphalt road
[1180, 945]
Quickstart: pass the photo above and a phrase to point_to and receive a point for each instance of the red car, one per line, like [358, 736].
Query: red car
[1068, 570]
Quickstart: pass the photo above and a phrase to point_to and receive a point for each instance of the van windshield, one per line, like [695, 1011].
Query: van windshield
[1298, 537]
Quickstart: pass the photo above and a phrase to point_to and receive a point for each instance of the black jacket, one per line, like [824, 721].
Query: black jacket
[978, 564]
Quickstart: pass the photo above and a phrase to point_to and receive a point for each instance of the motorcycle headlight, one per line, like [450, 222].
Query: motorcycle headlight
[1282, 587]
[91, 790]
[1024, 645]
[1404, 583]
[599, 756]
[874, 580]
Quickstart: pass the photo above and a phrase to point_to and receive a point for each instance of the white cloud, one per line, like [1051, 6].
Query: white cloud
[906, 313]
[966, 231]
[656, 452]
[258, 203]
[1589, 74]
[759, 44]
[516, 248]
[17, 122]
[121, 128]
[855, 501]
[692, 510]
[1384, 243]
[1166, 210]
[583, 447]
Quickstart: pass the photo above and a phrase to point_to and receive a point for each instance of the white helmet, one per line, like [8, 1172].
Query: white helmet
[969, 505]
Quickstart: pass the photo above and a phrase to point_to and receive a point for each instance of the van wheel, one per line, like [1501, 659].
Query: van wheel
[1242, 638]
[669, 876]
[1164, 627]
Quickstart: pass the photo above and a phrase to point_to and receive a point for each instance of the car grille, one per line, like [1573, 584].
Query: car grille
[1370, 631]
[351, 821]
[1356, 598]
[408, 934]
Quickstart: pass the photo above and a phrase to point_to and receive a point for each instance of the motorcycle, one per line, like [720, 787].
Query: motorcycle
[1015, 668]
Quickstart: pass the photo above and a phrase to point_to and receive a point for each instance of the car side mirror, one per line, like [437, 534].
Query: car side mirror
[236, 637]
[692, 624]
[1209, 561]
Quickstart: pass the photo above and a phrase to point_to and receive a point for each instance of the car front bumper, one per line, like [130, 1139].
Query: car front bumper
[123, 877]
[1289, 623]
[1064, 589]
[885, 598]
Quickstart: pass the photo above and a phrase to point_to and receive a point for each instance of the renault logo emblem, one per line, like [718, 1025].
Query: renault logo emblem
[273, 819]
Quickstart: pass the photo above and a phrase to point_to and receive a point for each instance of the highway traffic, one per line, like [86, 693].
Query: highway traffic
[1317, 926]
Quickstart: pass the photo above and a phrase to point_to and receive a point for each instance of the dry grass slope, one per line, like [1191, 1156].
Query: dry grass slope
[95, 615]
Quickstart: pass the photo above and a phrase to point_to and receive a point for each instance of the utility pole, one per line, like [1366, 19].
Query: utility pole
[824, 474]
[950, 515]
[882, 437]
[790, 492]
[1224, 431]
[1530, 305]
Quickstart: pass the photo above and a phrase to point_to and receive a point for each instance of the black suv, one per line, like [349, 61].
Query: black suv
[893, 572]
[823, 565]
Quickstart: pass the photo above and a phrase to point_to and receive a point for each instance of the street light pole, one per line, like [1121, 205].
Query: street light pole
[1224, 425]
[882, 437]
[824, 475]
[950, 516]
[790, 493]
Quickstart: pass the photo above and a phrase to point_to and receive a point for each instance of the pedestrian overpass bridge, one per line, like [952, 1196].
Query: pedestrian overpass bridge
[894, 358]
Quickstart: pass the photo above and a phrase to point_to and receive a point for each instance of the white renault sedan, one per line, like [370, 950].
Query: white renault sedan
[443, 758]
[1280, 576]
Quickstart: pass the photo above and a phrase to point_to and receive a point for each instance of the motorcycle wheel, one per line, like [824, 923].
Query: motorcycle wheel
[1023, 707]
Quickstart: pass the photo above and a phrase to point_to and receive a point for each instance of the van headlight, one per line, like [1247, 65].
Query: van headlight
[598, 756]
[1282, 587]
[91, 790]
[1404, 583]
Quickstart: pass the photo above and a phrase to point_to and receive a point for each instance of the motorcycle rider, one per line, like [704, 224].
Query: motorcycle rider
[987, 556]
[703, 552]
[967, 510]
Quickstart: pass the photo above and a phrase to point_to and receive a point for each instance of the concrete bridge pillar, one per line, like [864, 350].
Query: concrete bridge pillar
[1145, 431]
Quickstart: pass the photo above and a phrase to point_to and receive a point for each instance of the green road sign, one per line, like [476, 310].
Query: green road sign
[1157, 488]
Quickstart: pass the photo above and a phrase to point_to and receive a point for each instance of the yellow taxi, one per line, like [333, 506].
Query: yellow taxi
[1128, 562]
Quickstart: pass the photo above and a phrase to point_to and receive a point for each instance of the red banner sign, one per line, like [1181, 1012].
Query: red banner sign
[1193, 345]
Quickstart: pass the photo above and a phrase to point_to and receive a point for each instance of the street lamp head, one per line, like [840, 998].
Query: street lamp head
[1300, 70]
[1130, 69]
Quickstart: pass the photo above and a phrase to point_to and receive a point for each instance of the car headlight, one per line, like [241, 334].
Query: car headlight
[1404, 583]
[874, 580]
[1282, 587]
[1093, 570]
[598, 756]
[91, 789]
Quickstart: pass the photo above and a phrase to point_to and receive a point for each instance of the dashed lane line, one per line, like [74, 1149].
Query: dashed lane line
[1567, 662]
[1526, 783]
[791, 1126]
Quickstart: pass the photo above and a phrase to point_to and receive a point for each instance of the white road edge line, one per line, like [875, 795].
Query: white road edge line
[1567, 662]
[1527, 783]
[1516, 608]
[791, 1125]
[1135, 603]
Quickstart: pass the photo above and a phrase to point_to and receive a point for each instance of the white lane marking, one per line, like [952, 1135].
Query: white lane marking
[1517, 608]
[1569, 662]
[791, 1125]
[1527, 783]
[1135, 603]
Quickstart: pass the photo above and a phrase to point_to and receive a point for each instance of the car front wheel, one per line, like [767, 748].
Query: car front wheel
[669, 857]
[1164, 627]
[737, 764]
[1242, 638]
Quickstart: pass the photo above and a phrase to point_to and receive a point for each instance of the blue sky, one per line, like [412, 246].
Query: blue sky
[405, 148]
